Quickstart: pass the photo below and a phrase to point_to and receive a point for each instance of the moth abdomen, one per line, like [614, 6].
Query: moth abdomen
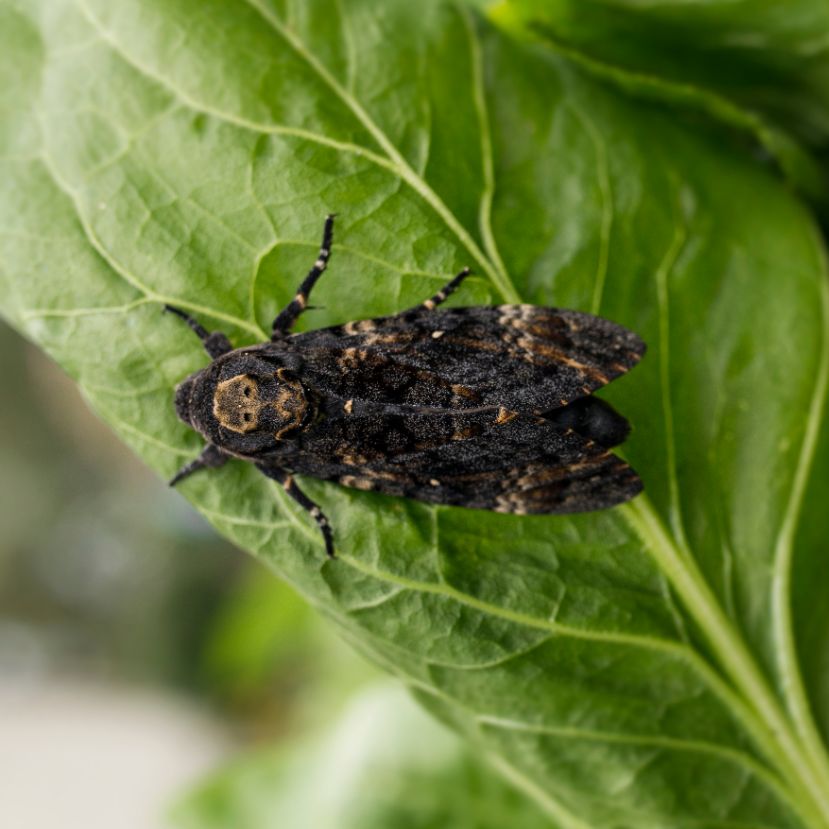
[593, 419]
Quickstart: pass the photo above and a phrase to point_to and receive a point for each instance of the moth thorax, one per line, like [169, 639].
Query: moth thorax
[241, 404]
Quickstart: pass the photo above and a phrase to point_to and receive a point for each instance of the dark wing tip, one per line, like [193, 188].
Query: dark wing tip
[635, 344]
[581, 488]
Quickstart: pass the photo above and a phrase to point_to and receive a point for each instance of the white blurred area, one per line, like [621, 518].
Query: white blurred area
[84, 756]
[108, 585]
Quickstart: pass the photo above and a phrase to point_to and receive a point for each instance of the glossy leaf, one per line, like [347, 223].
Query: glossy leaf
[636, 667]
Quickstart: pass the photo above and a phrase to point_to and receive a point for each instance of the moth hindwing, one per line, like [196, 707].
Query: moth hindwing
[486, 407]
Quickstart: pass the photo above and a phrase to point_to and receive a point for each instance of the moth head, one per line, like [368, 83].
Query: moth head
[184, 394]
[195, 397]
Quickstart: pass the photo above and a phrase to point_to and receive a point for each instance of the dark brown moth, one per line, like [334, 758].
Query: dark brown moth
[487, 407]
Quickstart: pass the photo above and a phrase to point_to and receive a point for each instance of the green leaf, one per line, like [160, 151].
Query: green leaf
[383, 765]
[635, 667]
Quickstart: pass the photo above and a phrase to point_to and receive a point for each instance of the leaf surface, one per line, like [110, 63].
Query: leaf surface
[633, 667]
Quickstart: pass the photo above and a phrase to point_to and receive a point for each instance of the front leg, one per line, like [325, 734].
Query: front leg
[287, 481]
[288, 316]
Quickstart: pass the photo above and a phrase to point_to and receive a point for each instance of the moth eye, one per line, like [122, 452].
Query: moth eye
[247, 391]
[247, 417]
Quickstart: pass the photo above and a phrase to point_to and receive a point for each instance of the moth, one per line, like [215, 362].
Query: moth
[483, 407]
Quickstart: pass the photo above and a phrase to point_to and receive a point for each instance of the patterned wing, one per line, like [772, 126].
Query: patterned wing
[523, 357]
[487, 459]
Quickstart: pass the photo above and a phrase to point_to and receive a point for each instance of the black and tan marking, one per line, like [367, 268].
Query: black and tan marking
[520, 357]
[236, 403]
[488, 407]
[290, 404]
[440, 297]
[482, 459]
[242, 405]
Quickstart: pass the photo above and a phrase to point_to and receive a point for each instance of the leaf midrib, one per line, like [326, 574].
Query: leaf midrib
[774, 734]
[793, 686]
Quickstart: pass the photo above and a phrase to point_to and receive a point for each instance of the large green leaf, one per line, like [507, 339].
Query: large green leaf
[637, 667]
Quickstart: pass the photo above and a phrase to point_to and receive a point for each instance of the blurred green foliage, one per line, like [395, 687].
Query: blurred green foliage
[101, 572]
[383, 764]
[767, 57]
[760, 65]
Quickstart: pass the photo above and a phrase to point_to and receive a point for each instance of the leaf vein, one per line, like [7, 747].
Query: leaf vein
[118, 269]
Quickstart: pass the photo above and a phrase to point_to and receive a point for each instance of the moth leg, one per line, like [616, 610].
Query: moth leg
[288, 315]
[449, 288]
[215, 344]
[305, 502]
[210, 458]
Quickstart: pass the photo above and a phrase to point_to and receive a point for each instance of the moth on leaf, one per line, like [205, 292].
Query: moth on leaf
[485, 407]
